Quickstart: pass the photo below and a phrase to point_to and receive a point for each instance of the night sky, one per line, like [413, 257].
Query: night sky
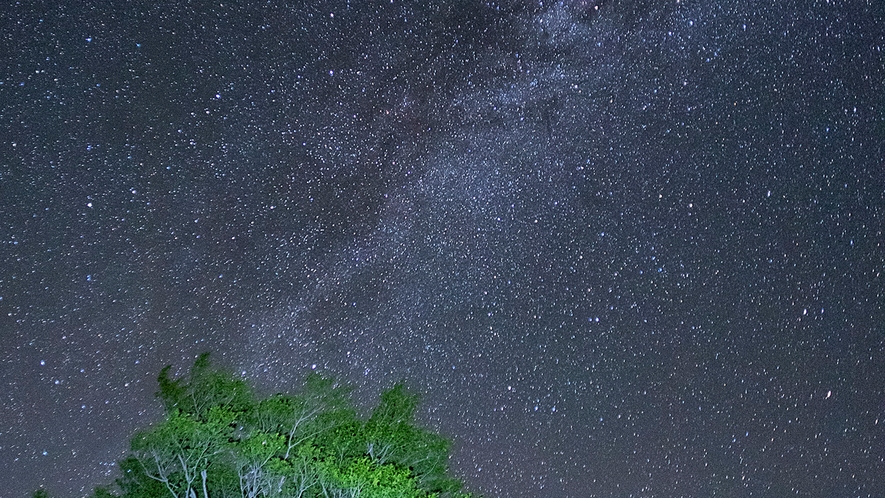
[622, 248]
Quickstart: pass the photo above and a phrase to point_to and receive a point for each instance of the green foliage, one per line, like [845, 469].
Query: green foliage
[180, 451]
[204, 388]
[134, 481]
[364, 478]
[102, 493]
[393, 437]
[219, 441]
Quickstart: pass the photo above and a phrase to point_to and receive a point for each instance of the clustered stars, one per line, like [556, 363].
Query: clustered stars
[622, 249]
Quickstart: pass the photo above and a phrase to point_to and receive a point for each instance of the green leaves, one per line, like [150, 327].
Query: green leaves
[392, 437]
[364, 478]
[181, 450]
[397, 406]
[203, 389]
[218, 440]
[134, 482]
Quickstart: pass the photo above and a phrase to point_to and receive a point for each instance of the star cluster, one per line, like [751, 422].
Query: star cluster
[623, 248]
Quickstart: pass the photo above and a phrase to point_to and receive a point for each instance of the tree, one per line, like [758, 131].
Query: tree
[203, 389]
[301, 417]
[393, 437]
[183, 448]
[218, 440]
[134, 481]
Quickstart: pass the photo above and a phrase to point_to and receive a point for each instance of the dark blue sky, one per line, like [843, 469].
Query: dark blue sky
[623, 248]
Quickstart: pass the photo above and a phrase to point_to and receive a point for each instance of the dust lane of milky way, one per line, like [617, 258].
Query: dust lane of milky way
[623, 248]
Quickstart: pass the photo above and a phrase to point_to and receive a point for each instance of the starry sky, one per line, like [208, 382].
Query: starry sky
[622, 248]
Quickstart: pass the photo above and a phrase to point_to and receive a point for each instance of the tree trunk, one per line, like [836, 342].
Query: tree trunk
[205, 491]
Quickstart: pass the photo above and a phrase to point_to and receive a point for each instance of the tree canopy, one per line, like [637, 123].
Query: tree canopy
[219, 439]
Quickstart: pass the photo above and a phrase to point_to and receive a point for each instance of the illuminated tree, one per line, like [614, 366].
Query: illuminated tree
[218, 440]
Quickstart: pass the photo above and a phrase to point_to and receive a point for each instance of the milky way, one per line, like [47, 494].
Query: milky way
[621, 248]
